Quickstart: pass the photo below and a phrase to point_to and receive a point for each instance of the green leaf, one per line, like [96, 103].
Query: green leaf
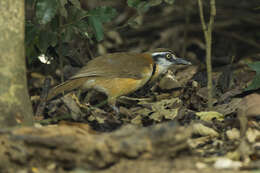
[63, 2]
[256, 81]
[96, 24]
[141, 6]
[82, 26]
[62, 9]
[155, 2]
[133, 3]
[54, 24]
[105, 14]
[46, 39]
[31, 38]
[68, 34]
[31, 33]
[97, 17]
[76, 3]
[46, 10]
[169, 1]
[255, 66]
[31, 53]
[75, 14]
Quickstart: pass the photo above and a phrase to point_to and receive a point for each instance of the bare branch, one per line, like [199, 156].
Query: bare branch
[207, 30]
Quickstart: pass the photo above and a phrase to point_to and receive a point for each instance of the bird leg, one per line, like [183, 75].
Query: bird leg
[112, 104]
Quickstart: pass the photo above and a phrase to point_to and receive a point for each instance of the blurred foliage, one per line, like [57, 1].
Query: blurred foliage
[143, 6]
[97, 17]
[256, 81]
[56, 22]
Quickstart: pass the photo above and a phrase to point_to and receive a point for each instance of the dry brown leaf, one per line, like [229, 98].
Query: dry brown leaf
[169, 82]
[252, 135]
[233, 134]
[230, 107]
[167, 108]
[114, 35]
[208, 116]
[184, 75]
[194, 143]
[137, 120]
[202, 130]
[70, 103]
[252, 103]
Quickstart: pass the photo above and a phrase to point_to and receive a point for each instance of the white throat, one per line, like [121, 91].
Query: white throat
[162, 63]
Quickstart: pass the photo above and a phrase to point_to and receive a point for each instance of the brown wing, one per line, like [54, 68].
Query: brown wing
[118, 65]
[65, 87]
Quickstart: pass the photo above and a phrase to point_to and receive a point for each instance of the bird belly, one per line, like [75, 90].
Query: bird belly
[114, 87]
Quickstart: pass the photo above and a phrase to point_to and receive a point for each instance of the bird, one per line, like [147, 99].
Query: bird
[121, 73]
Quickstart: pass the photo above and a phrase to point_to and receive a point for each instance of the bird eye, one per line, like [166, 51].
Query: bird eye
[169, 56]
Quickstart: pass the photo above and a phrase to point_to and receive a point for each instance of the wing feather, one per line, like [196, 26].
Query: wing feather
[118, 65]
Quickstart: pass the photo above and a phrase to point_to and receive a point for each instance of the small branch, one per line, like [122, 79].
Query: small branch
[212, 13]
[203, 24]
[207, 30]
[60, 49]
[43, 98]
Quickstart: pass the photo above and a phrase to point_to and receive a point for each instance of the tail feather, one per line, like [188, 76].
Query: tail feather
[66, 87]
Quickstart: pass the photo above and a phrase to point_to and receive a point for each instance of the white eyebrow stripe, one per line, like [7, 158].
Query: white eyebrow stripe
[159, 53]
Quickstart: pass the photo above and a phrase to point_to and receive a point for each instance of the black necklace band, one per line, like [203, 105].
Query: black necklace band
[153, 72]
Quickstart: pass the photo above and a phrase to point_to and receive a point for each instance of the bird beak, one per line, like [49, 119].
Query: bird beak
[181, 61]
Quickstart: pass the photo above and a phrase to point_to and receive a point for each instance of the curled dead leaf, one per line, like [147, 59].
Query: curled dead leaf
[203, 130]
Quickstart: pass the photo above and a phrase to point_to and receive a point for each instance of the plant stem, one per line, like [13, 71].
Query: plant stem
[207, 30]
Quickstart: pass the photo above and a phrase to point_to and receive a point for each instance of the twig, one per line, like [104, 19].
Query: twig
[43, 98]
[207, 30]
[60, 49]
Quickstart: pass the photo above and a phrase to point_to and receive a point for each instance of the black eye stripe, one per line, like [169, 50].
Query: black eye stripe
[156, 57]
[166, 55]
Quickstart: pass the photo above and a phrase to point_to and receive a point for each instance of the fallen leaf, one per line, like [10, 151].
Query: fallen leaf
[208, 116]
[203, 130]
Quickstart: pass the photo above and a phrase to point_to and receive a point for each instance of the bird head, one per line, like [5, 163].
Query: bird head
[165, 59]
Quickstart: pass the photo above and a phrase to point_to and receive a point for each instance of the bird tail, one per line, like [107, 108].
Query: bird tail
[66, 87]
